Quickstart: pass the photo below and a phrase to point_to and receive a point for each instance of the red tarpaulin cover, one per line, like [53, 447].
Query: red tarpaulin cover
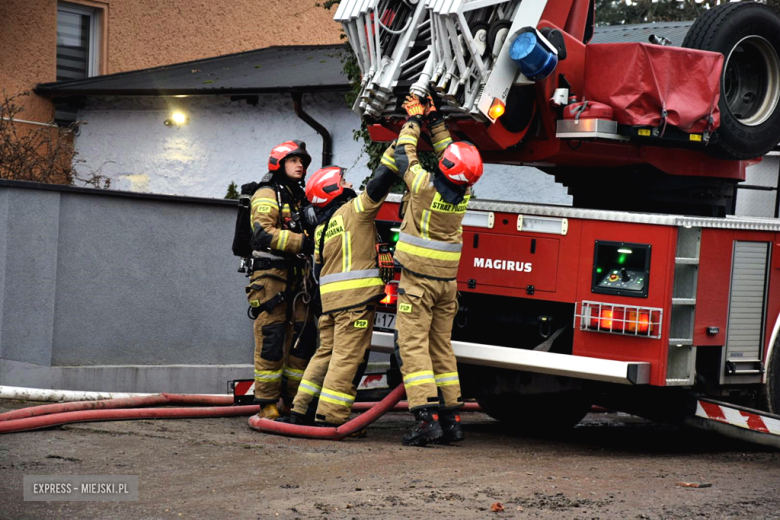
[639, 81]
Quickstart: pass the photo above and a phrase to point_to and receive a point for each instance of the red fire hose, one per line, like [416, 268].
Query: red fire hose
[46, 416]
[58, 419]
[335, 434]
[127, 402]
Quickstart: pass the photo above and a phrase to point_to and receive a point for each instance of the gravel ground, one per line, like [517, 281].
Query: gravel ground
[612, 466]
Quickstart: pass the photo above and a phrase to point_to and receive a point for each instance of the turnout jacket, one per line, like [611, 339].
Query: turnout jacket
[350, 276]
[431, 238]
[270, 221]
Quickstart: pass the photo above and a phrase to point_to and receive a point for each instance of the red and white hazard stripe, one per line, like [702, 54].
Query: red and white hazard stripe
[245, 387]
[737, 417]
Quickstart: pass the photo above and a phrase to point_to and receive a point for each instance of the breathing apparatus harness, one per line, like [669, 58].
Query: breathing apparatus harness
[296, 265]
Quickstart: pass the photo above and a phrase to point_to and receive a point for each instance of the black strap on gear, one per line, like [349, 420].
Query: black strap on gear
[254, 312]
[263, 264]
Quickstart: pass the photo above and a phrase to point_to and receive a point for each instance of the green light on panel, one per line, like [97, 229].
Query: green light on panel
[395, 237]
[599, 269]
[622, 259]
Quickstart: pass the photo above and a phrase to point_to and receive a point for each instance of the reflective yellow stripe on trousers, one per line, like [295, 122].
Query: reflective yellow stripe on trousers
[447, 379]
[419, 378]
[292, 373]
[333, 397]
[309, 388]
[267, 375]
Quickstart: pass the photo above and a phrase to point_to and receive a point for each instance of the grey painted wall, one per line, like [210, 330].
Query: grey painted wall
[90, 278]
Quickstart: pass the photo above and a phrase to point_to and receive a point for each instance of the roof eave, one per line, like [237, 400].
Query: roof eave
[44, 90]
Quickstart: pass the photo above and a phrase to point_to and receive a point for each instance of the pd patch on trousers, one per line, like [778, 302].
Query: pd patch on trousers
[273, 342]
[361, 324]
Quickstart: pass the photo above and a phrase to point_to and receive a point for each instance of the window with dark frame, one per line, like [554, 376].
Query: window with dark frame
[78, 37]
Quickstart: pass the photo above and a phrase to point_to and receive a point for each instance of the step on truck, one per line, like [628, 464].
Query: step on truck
[647, 295]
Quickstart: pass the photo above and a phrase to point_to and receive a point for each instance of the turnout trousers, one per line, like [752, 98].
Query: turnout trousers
[330, 381]
[285, 338]
[423, 348]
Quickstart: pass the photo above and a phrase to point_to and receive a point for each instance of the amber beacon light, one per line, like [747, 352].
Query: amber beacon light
[497, 109]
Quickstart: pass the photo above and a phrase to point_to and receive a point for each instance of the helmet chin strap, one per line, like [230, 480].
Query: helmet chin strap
[449, 191]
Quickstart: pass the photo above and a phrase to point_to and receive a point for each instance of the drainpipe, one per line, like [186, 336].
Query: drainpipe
[327, 142]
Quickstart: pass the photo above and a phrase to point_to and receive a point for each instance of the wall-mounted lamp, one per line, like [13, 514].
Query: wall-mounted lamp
[177, 119]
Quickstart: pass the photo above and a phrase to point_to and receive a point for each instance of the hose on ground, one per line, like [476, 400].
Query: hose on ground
[128, 408]
[126, 402]
[59, 419]
[337, 433]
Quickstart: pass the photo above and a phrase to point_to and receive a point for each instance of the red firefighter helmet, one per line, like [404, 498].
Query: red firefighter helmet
[285, 150]
[324, 186]
[461, 163]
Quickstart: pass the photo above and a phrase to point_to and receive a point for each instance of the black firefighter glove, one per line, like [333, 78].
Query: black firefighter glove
[384, 260]
[307, 248]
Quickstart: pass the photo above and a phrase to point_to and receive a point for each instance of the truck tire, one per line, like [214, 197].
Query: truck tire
[748, 36]
[538, 413]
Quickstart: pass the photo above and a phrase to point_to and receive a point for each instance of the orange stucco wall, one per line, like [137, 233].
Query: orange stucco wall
[148, 33]
[28, 51]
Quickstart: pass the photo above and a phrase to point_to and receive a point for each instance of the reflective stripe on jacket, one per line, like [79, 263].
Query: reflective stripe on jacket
[349, 276]
[431, 239]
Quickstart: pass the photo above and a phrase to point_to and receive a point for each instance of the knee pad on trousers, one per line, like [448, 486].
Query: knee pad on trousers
[396, 349]
[308, 343]
[273, 342]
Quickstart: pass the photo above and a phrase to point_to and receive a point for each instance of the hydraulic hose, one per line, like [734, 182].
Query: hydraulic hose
[335, 434]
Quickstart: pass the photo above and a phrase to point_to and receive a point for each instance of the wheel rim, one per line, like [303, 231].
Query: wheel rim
[751, 81]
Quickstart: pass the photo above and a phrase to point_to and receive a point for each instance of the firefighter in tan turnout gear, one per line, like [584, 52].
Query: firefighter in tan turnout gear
[284, 339]
[353, 270]
[428, 250]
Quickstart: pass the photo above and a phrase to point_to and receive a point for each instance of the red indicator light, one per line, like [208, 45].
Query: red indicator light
[391, 295]
[639, 323]
[606, 319]
[618, 319]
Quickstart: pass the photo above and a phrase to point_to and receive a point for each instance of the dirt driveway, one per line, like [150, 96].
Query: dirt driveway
[610, 467]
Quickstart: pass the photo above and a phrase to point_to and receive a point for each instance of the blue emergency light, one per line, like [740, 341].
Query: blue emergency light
[535, 59]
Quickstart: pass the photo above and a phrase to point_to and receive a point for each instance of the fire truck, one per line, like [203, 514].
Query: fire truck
[646, 295]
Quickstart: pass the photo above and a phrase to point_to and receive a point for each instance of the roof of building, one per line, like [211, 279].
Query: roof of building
[675, 31]
[304, 68]
[307, 68]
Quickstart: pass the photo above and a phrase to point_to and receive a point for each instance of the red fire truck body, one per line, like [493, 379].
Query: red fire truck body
[636, 298]
[673, 301]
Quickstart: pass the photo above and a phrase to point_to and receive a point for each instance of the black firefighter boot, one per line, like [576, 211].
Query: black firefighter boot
[450, 425]
[426, 430]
